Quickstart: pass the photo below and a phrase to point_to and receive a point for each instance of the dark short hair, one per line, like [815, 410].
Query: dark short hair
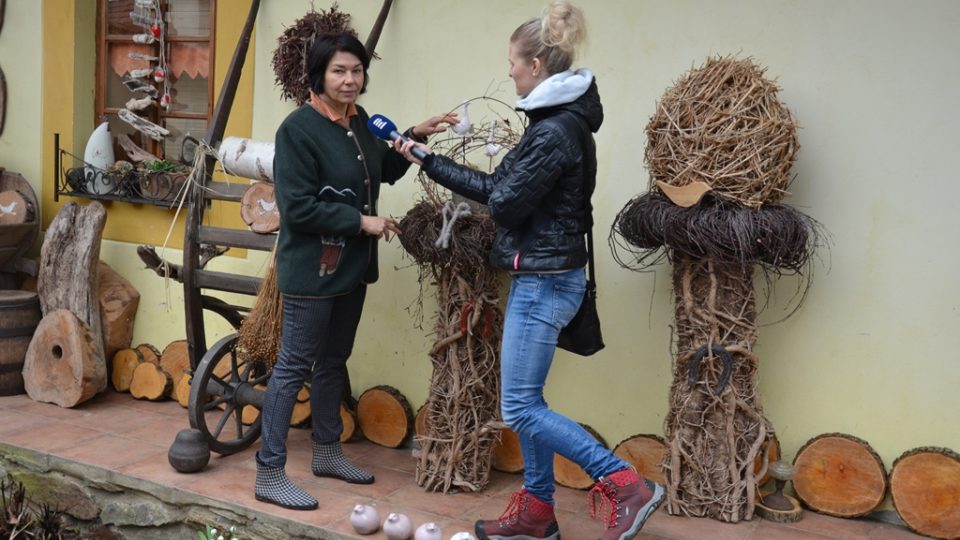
[323, 49]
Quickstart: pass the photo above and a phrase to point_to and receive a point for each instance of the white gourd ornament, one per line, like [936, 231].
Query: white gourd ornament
[428, 531]
[365, 519]
[397, 527]
[98, 155]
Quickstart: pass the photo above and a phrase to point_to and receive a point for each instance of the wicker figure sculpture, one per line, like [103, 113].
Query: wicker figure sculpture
[720, 147]
[450, 241]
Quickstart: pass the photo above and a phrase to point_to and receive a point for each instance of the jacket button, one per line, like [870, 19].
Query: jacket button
[359, 157]
[366, 208]
[366, 182]
[350, 134]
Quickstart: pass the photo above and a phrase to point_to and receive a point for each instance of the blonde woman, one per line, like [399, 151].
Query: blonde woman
[539, 197]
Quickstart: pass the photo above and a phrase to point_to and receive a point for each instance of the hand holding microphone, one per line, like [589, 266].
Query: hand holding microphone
[382, 127]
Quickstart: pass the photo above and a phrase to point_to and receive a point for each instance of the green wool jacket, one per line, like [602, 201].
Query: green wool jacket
[325, 177]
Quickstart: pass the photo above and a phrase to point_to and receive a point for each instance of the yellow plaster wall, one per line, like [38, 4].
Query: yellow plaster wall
[20, 49]
[67, 108]
[872, 352]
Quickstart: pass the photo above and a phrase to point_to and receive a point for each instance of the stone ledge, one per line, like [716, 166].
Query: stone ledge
[129, 507]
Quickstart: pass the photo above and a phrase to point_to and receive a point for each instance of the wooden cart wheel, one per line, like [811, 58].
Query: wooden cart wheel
[233, 391]
[839, 475]
[925, 488]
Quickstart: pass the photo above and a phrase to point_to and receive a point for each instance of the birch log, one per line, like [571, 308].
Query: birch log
[247, 158]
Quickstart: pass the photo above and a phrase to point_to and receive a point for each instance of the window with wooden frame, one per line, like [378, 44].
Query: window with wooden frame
[166, 45]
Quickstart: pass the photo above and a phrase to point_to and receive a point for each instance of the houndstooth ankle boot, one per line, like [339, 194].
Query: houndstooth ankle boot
[273, 486]
[329, 461]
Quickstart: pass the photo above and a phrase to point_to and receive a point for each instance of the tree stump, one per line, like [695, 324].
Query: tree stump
[61, 365]
[119, 301]
[646, 453]
[258, 208]
[925, 488]
[507, 456]
[569, 474]
[385, 416]
[150, 382]
[124, 362]
[69, 269]
[839, 475]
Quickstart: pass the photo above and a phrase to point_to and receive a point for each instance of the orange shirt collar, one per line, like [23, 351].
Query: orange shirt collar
[328, 111]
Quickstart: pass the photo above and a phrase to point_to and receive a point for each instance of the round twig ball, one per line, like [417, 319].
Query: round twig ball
[723, 124]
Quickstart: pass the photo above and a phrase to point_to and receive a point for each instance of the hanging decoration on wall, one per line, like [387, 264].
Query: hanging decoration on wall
[450, 240]
[289, 58]
[720, 149]
[147, 15]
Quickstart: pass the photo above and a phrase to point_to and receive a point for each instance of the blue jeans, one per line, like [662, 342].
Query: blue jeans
[317, 339]
[540, 305]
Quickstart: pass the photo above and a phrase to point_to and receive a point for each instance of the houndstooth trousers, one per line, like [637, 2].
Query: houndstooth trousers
[317, 339]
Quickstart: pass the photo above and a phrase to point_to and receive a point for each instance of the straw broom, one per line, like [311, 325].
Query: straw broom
[260, 332]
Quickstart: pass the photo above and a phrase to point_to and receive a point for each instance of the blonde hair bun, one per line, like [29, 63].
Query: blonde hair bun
[563, 26]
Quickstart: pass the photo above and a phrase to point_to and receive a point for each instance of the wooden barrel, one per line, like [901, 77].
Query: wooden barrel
[19, 316]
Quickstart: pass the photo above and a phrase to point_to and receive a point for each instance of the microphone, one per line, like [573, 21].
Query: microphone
[382, 127]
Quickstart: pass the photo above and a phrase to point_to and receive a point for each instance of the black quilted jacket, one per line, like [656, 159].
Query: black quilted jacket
[538, 192]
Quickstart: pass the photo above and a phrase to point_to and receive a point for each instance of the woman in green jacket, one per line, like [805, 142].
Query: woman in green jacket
[328, 169]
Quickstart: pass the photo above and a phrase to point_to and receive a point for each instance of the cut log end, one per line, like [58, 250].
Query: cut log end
[569, 474]
[61, 364]
[150, 382]
[385, 416]
[839, 475]
[124, 362]
[925, 489]
[175, 360]
[150, 353]
[645, 452]
[349, 420]
[507, 456]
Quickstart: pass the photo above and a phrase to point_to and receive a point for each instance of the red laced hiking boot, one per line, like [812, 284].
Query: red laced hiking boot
[630, 500]
[526, 518]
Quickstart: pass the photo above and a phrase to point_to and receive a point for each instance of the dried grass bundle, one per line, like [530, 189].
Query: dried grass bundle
[722, 124]
[259, 338]
[290, 57]
[777, 236]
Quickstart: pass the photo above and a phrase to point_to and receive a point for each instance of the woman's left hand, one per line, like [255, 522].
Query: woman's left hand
[432, 125]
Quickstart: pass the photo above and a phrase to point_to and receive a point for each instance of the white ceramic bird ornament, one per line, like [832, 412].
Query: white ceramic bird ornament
[491, 149]
[463, 128]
